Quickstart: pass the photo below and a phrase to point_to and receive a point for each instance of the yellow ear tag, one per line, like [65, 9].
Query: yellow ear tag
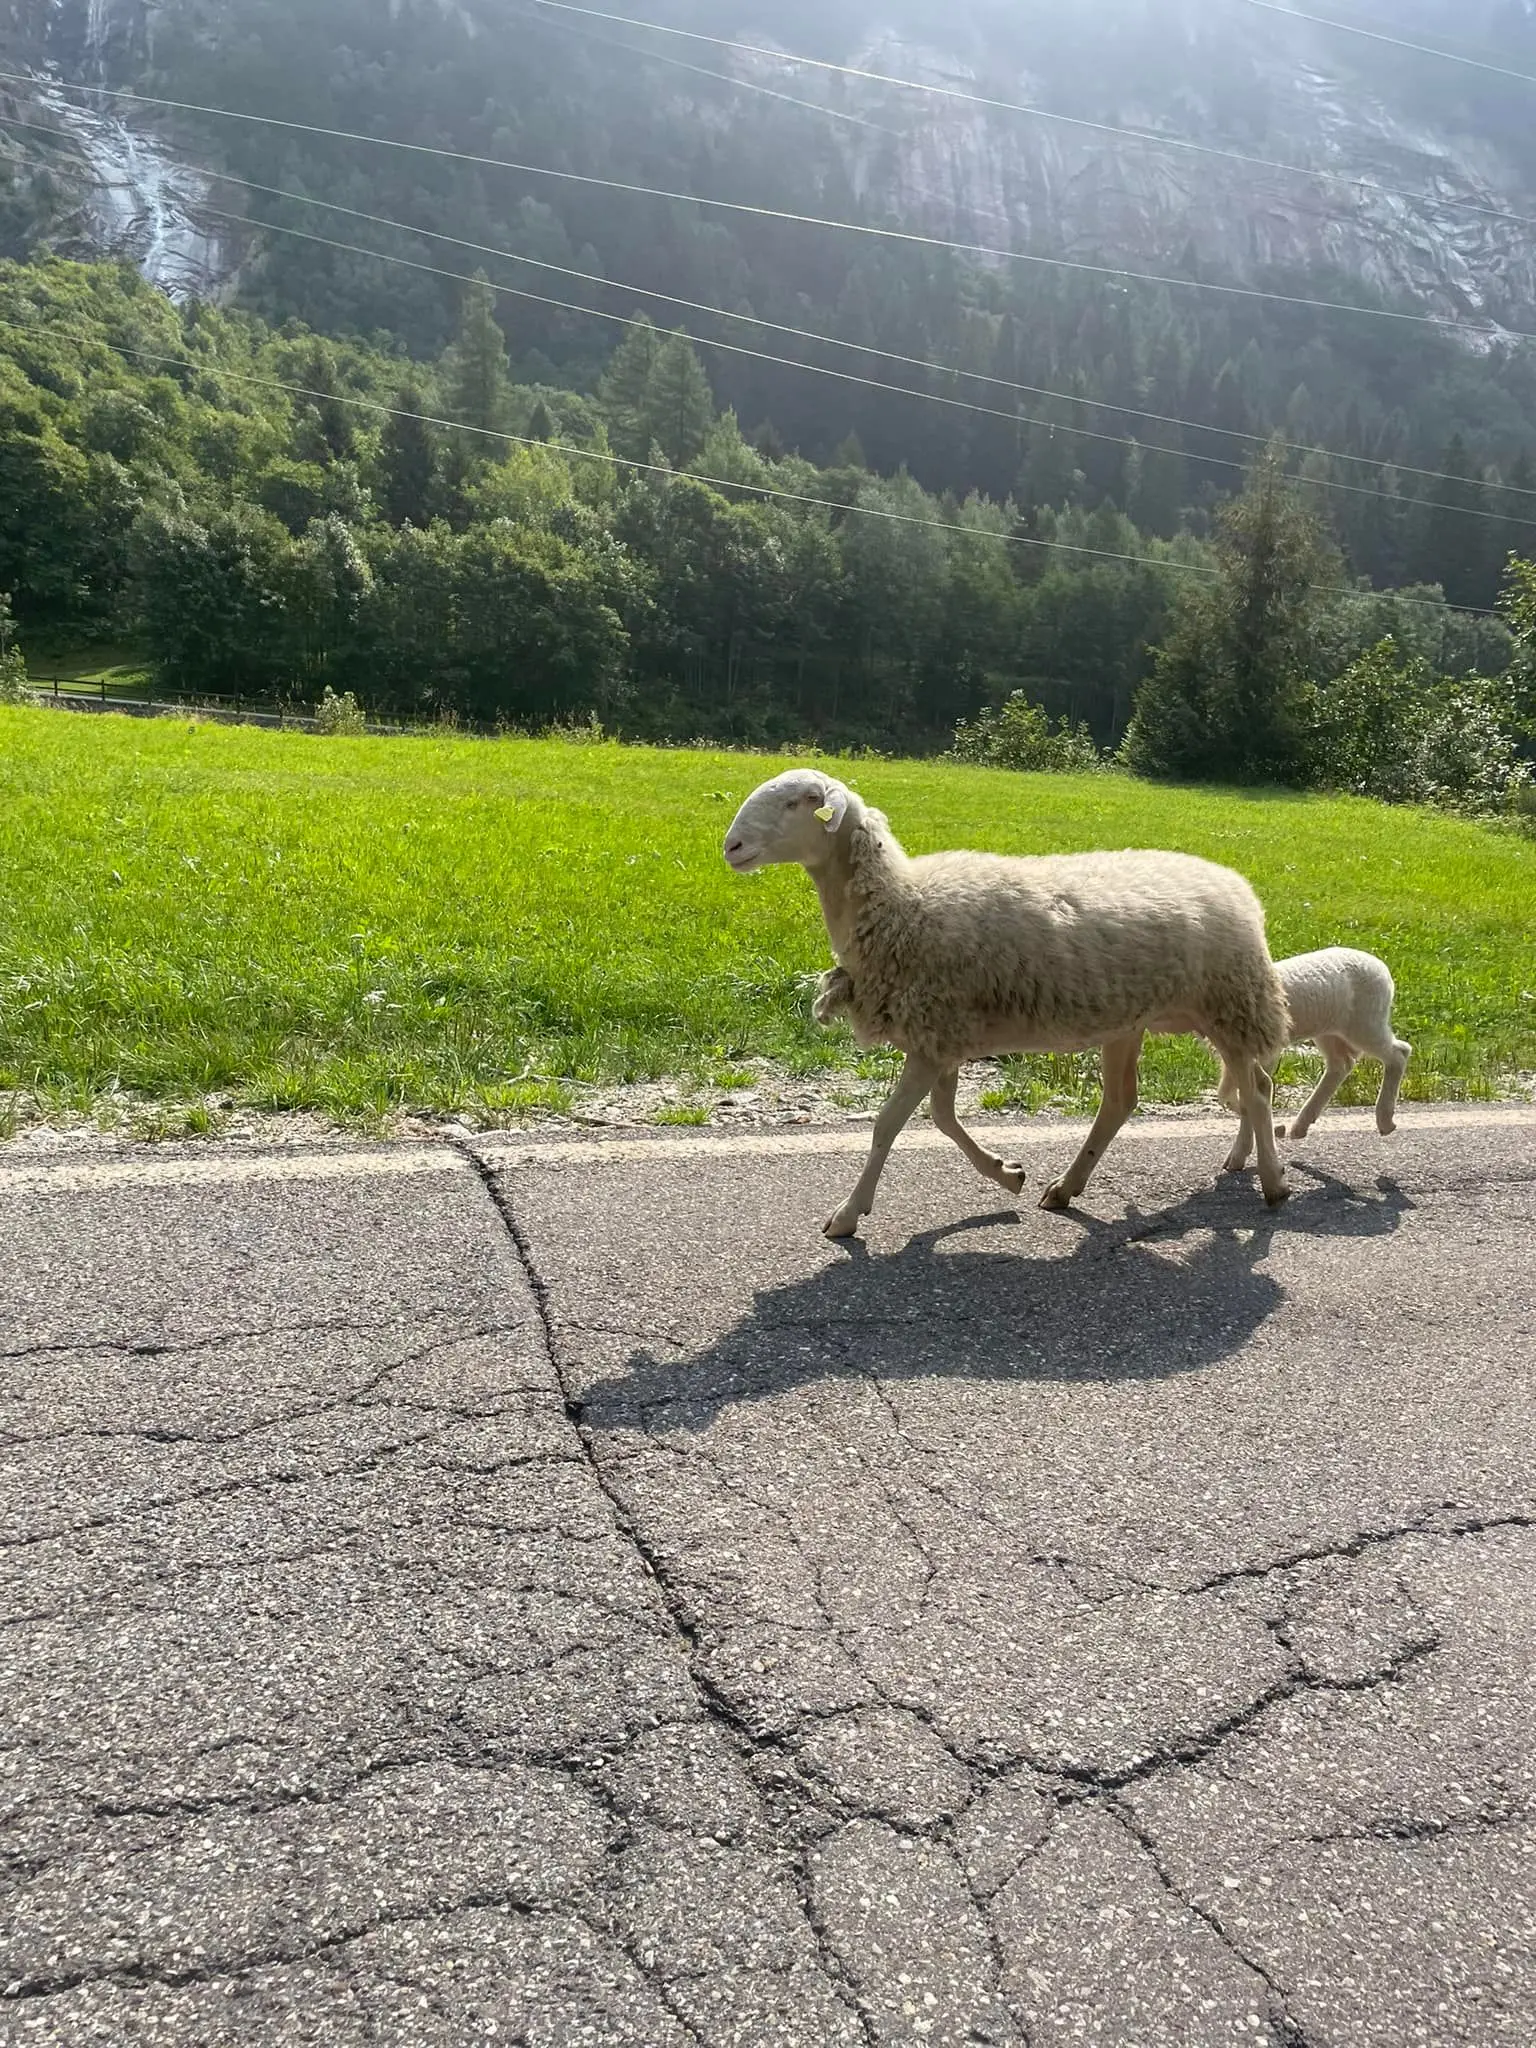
[825, 814]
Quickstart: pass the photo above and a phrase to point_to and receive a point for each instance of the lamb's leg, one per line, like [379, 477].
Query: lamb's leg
[1259, 1111]
[1242, 1145]
[917, 1078]
[1394, 1065]
[941, 1107]
[1120, 1056]
[1341, 1058]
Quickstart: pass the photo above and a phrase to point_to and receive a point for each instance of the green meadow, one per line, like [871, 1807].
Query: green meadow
[363, 926]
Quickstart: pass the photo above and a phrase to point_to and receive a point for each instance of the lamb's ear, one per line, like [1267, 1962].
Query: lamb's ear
[835, 809]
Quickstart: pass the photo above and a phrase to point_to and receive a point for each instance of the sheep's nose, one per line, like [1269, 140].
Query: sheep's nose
[734, 846]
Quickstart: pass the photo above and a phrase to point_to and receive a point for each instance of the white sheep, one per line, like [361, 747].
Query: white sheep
[962, 956]
[1341, 1000]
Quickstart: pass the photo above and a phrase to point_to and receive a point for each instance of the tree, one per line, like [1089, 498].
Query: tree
[1517, 529]
[521, 624]
[625, 390]
[211, 601]
[332, 417]
[1458, 539]
[1229, 699]
[13, 668]
[407, 461]
[325, 587]
[1518, 605]
[681, 407]
[478, 377]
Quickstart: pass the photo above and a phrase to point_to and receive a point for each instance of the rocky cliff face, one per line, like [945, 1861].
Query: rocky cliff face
[138, 200]
[1234, 77]
[1462, 244]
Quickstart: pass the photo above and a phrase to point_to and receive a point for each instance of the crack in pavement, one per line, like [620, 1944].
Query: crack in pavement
[1428, 1524]
[20, 1990]
[150, 1347]
[1297, 1682]
[1289, 2031]
[301, 1411]
[1487, 1820]
[716, 1706]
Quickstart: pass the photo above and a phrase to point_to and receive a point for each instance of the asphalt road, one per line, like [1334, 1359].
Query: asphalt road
[552, 1596]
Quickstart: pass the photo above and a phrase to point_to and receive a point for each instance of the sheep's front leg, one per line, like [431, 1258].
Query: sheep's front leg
[1341, 1058]
[1120, 1056]
[917, 1078]
[1007, 1173]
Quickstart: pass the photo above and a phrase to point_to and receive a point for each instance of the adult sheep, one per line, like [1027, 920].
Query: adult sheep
[960, 956]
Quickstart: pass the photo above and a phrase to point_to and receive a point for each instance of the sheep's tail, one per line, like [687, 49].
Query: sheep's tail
[1275, 1025]
[1265, 1033]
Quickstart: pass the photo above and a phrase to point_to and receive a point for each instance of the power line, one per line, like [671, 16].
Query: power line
[1150, 136]
[907, 237]
[852, 377]
[1010, 417]
[725, 78]
[810, 334]
[662, 469]
[1376, 35]
[768, 491]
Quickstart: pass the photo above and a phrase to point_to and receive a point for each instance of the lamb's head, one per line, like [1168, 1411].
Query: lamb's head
[793, 818]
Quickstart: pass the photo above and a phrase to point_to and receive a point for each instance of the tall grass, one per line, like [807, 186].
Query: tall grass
[359, 925]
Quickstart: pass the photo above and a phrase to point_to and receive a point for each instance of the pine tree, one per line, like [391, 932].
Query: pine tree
[1517, 529]
[625, 390]
[333, 418]
[541, 423]
[478, 378]
[1230, 697]
[682, 406]
[407, 462]
[1458, 543]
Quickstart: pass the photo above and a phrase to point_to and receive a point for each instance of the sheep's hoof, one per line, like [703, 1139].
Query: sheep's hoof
[1235, 1165]
[1011, 1177]
[1386, 1129]
[841, 1226]
[1056, 1197]
[1281, 1194]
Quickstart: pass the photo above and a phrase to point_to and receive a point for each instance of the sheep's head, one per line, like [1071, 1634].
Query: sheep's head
[792, 818]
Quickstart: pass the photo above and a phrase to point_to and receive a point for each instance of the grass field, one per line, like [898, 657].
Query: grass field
[357, 926]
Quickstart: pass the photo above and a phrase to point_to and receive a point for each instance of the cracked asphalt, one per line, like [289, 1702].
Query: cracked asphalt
[540, 1591]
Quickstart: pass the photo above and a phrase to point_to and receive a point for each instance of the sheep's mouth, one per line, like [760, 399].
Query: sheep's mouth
[742, 863]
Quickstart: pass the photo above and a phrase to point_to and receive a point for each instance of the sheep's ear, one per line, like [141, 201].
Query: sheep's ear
[835, 809]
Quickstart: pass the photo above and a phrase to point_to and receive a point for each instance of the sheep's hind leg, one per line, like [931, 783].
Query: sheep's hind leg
[1394, 1065]
[1340, 1056]
[1007, 1173]
[1242, 1145]
[1259, 1111]
[1120, 1057]
[917, 1078]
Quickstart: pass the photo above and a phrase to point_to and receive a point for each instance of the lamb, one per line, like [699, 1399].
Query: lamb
[961, 956]
[1341, 1000]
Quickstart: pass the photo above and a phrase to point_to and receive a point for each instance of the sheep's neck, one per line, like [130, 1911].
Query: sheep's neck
[834, 886]
[844, 887]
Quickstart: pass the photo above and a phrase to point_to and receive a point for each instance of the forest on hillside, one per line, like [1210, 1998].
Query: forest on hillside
[1062, 392]
[275, 513]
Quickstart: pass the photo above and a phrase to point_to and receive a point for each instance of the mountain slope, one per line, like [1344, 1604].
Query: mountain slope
[571, 95]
